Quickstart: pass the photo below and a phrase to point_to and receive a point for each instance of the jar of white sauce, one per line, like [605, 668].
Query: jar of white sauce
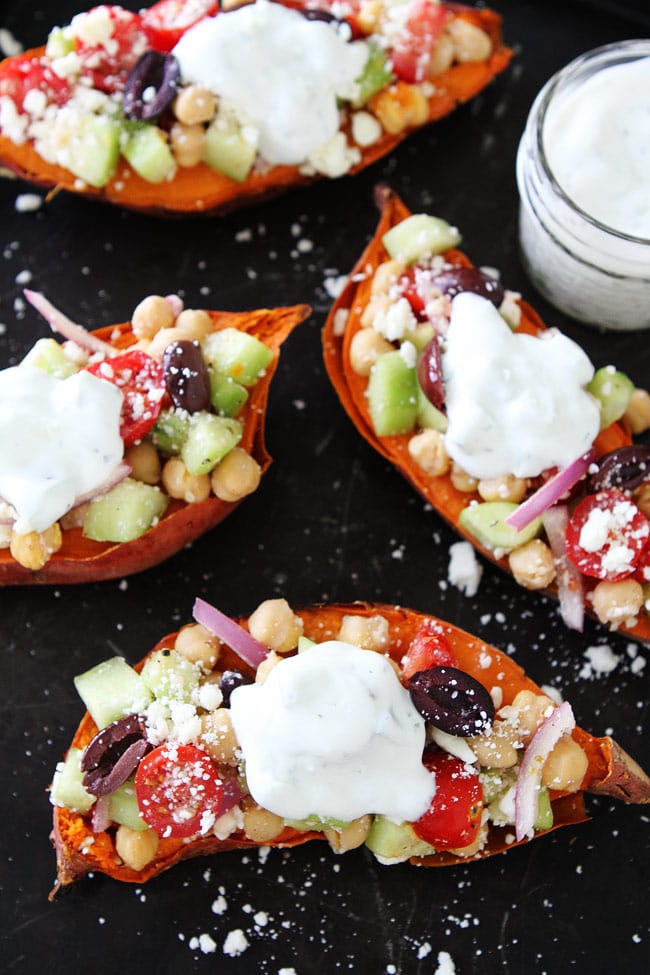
[583, 171]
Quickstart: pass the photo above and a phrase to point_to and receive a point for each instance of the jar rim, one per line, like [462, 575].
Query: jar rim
[610, 54]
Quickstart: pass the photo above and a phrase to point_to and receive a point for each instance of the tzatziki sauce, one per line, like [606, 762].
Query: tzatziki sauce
[332, 733]
[516, 403]
[278, 71]
[60, 440]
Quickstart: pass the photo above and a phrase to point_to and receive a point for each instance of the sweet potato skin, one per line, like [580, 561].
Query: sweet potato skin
[351, 388]
[202, 190]
[83, 560]
[610, 771]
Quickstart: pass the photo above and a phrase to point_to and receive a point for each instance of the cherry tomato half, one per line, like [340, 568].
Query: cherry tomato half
[20, 75]
[176, 785]
[167, 21]
[453, 819]
[606, 535]
[428, 648]
[107, 62]
[141, 380]
[411, 54]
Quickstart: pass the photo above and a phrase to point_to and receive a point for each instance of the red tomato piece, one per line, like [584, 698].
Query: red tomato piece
[606, 535]
[176, 786]
[20, 75]
[414, 46]
[407, 285]
[167, 21]
[642, 569]
[107, 62]
[428, 648]
[453, 819]
[141, 380]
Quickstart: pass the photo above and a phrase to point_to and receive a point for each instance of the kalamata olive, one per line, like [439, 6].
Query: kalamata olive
[231, 679]
[114, 754]
[151, 86]
[323, 15]
[186, 376]
[457, 279]
[430, 373]
[452, 701]
[625, 469]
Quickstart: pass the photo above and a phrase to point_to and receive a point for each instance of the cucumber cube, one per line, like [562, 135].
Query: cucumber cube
[226, 395]
[395, 842]
[59, 44]
[420, 236]
[237, 354]
[111, 690]
[392, 395]
[48, 355]
[94, 149]
[147, 151]
[124, 513]
[486, 522]
[170, 676]
[376, 74]
[544, 818]
[123, 807]
[209, 439]
[227, 149]
[169, 432]
[613, 390]
[67, 787]
[429, 417]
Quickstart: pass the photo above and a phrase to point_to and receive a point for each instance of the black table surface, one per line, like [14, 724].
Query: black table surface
[331, 521]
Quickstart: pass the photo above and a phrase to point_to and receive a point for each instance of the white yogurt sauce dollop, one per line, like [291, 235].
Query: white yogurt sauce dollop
[516, 404]
[597, 143]
[277, 70]
[60, 440]
[332, 733]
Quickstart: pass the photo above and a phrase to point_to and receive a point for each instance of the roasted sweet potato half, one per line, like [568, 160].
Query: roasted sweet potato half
[74, 117]
[234, 356]
[396, 311]
[175, 771]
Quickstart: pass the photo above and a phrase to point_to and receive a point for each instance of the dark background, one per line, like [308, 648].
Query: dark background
[331, 521]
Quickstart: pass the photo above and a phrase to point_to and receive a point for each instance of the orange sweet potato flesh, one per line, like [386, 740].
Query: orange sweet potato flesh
[84, 560]
[200, 189]
[610, 772]
[351, 390]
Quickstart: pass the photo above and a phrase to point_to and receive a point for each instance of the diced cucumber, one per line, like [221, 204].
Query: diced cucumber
[169, 432]
[237, 354]
[317, 823]
[392, 842]
[544, 818]
[496, 782]
[227, 149]
[226, 395]
[123, 807]
[376, 74]
[421, 335]
[48, 355]
[304, 643]
[94, 149]
[209, 439]
[392, 395]
[429, 417]
[613, 390]
[147, 151]
[420, 236]
[125, 512]
[59, 43]
[170, 676]
[111, 690]
[486, 522]
[67, 787]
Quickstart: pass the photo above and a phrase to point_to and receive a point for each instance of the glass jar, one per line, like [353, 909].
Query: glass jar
[588, 270]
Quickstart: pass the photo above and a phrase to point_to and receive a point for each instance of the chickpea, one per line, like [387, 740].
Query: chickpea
[350, 837]
[179, 483]
[442, 56]
[532, 564]
[187, 142]
[386, 275]
[566, 766]
[75, 517]
[195, 104]
[378, 305]
[370, 15]
[144, 461]
[195, 323]
[136, 847]
[531, 710]
[218, 737]
[470, 42]
[462, 481]
[5, 536]
[365, 347]
[506, 488]
[367, 632]
[427, 448]
[156, 347]
[616, 602]
[265, 668]
[637, 413]
[198, 645]
[261, 825]
[495, 748]
[33, 549]
[641, 498]
[236, 476]
[275, 625]
[150, 316]
[399, 106]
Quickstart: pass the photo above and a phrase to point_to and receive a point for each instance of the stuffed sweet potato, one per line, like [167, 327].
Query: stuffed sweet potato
[130, 108]
[501, 424]
[383, 697]
[123, 445]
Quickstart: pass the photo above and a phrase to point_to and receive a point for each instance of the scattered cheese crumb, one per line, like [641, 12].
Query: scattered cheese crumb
[445, 964]
[600, 660]
[204, 943]
[464, 570]
[28, 202]
[236, 943]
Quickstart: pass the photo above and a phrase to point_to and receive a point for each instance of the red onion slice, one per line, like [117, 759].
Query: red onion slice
[119, 474]
[175, 302]
[59, 322]
[559, 723]
[550, 492]
[569, 582]
[245, 646]
[100, 819]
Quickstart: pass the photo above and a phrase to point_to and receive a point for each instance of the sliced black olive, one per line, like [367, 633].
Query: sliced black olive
[452, 701]
[625, 469]
[430, 374]
[151, 86]
[114, 754]
[186, 376]
[231, 679]
[458, 279]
